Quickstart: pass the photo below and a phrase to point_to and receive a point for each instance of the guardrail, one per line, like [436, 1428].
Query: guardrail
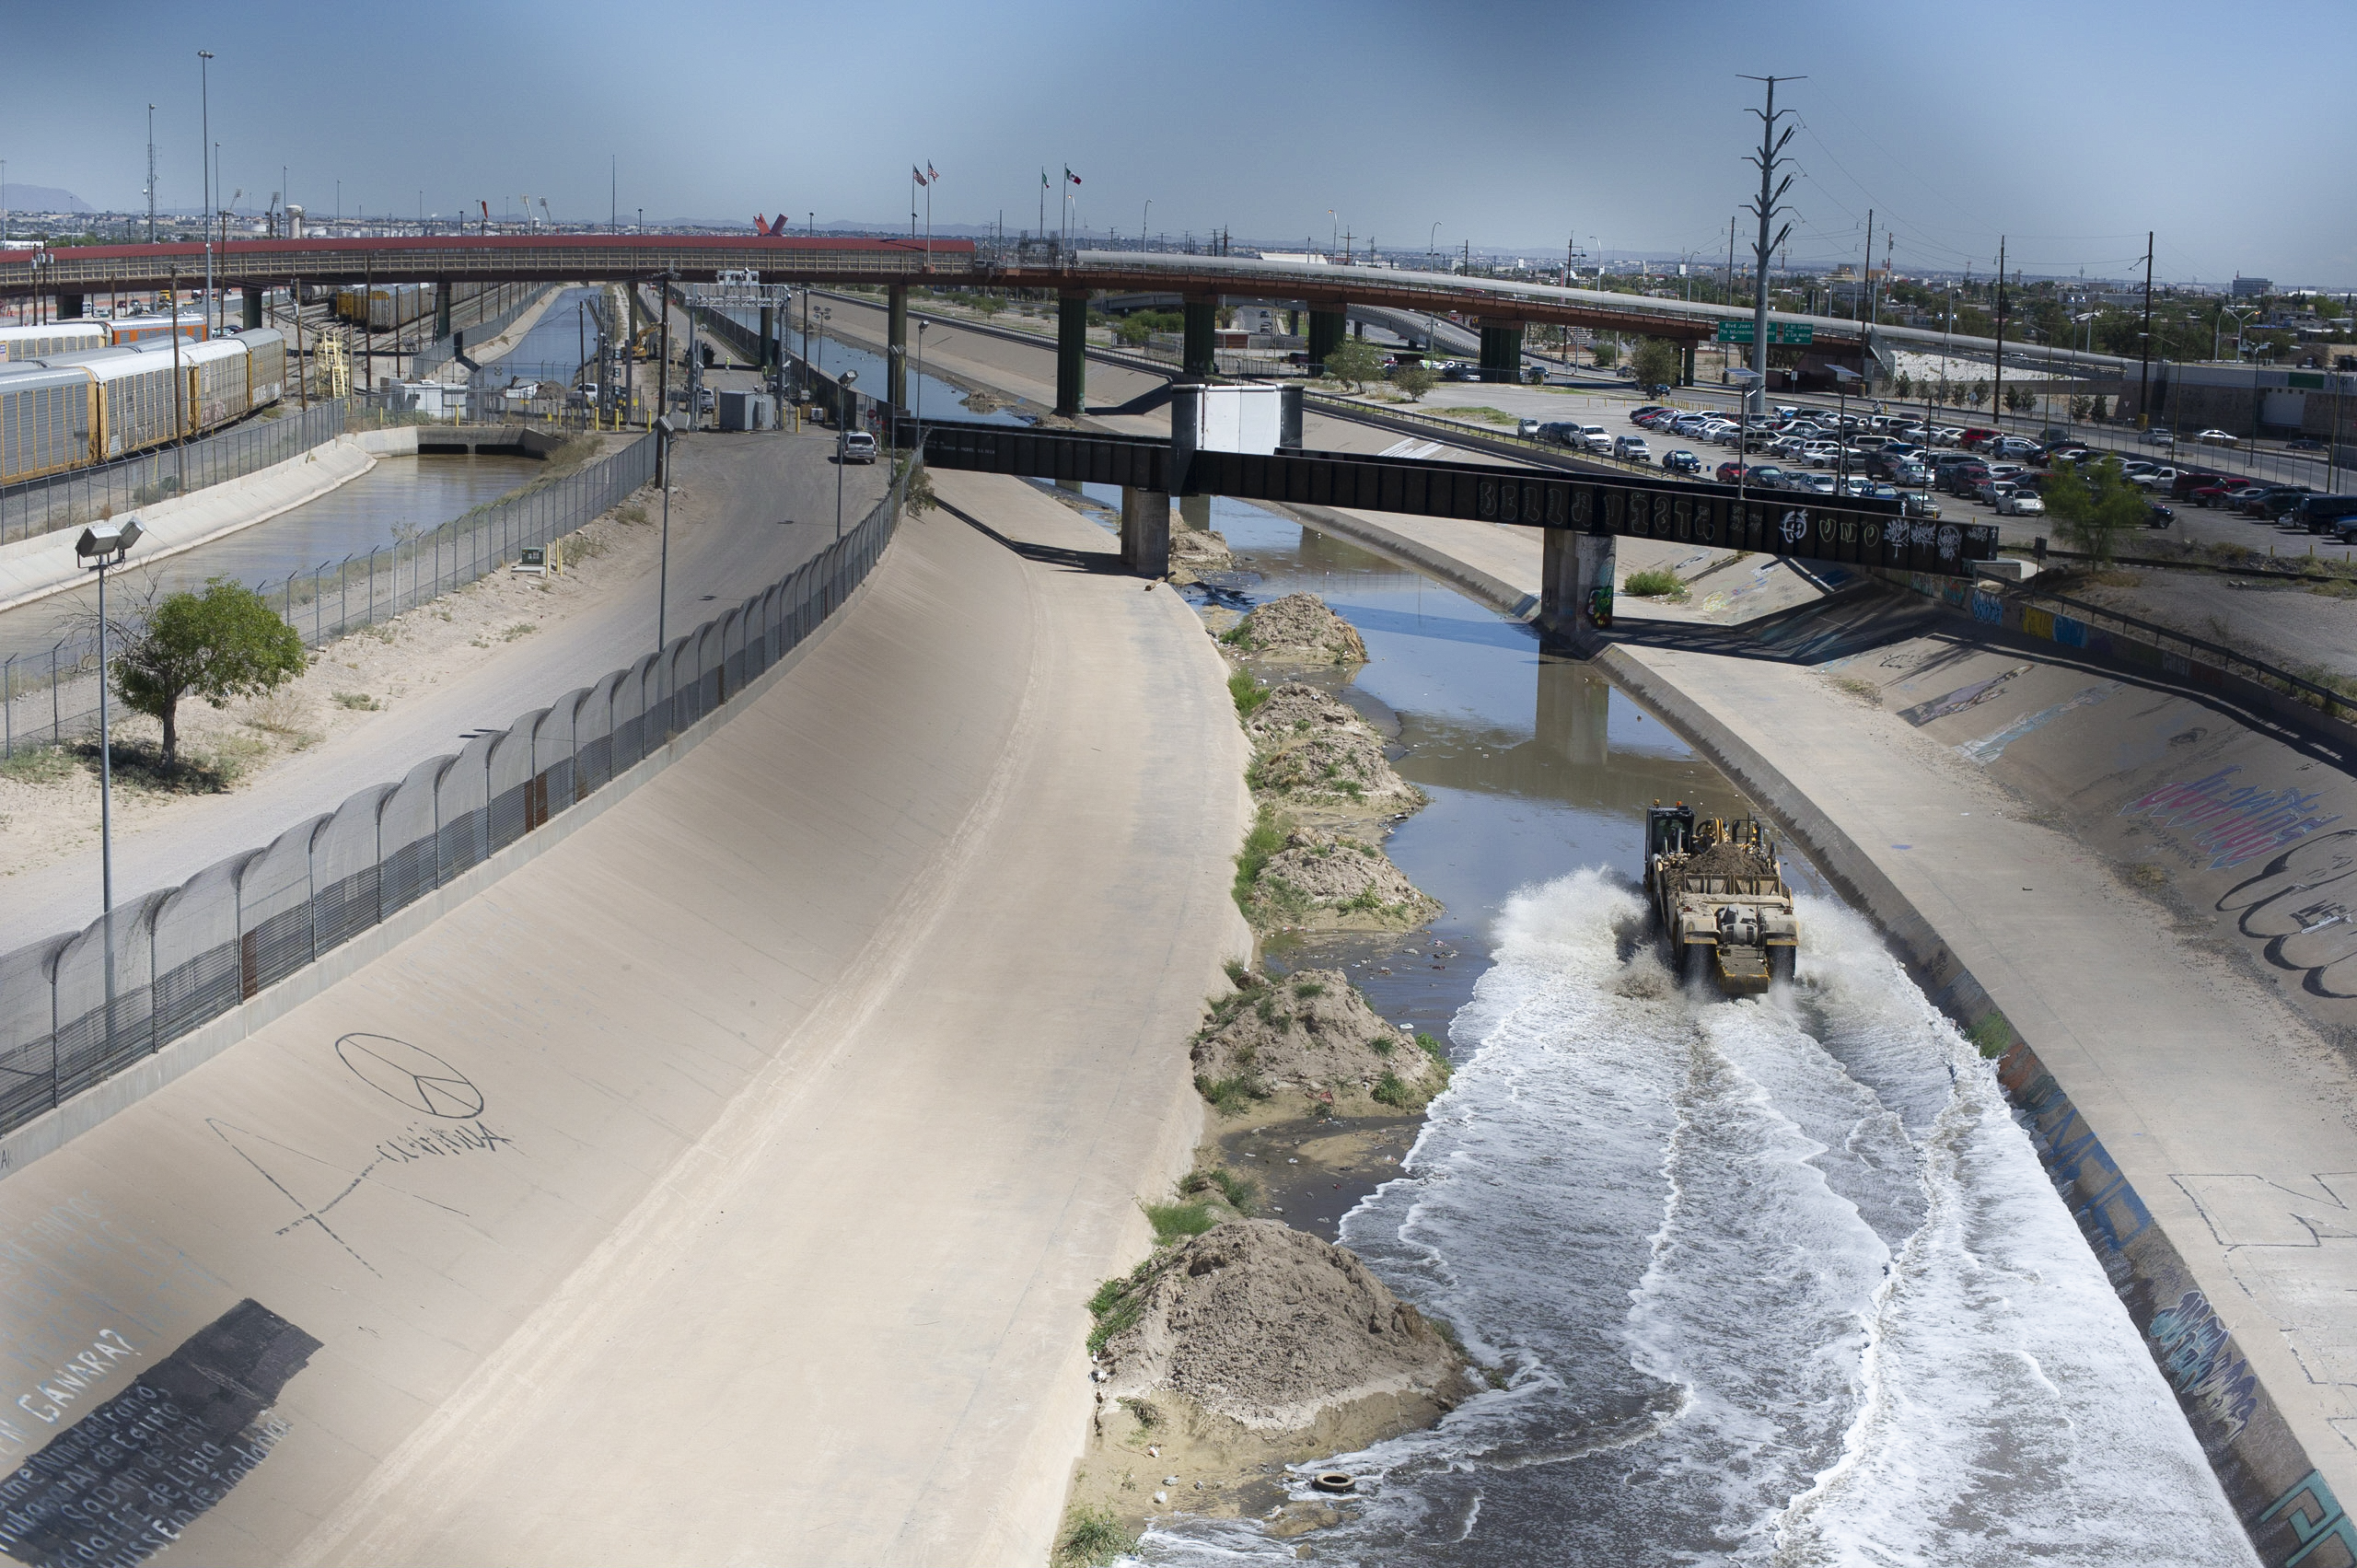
[75, 1010]
[45, 506]
[55, 697]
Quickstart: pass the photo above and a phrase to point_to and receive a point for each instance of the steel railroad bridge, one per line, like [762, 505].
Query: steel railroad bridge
[1501, 309]
[1583, 513]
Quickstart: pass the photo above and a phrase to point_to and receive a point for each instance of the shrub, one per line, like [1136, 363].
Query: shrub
[1092, 1538]
[1243, 1193]
[1653, 584]
[1175, 1221]
[1391, 1091]
[1265, 839]
[1250, 694]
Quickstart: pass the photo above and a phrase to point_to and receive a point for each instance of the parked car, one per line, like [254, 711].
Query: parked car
[2269, 502]
[1919, 504]
[1992, 491]
[1637, 415]
[1964, 478]
[2020, 501]
[1816, 483]
[2323, 514]
[1688, 424]
[1729, 472]
[2217, 438]
[1681, 462]
[1632, 449]
[2158, 517]
[1595, 438]
[2159, 436]
[2220, 494]
[2188, 481]
[1460, 371]
[858, 447]
[2304, 444]
[2015, 446]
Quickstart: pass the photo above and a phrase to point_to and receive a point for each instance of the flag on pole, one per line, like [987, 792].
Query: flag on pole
[1070, 175]
[928, 175]
[1044, 181]
[916, 174]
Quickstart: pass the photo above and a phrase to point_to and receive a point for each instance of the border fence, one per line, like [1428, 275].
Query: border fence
[75, 1009]
[54, 697]
[40, 506]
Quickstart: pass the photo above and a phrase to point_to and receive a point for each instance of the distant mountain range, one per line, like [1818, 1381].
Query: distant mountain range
[41, 199]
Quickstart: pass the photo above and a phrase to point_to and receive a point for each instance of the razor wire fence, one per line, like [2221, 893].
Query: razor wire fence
[51, 698]
[77, 1007]
[40, 506]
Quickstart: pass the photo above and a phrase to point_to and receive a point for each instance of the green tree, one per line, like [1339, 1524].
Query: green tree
[1979, 393]
[1903, 387]
[2096, 506]
[1413, 379]
[1656, 362]
[1355, 363]
[226, 642]
[2080, 408]
[1607, 354]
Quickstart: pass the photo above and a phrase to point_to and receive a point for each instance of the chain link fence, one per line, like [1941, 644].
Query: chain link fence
[53, 697]
[76, 1008]
[40, 507]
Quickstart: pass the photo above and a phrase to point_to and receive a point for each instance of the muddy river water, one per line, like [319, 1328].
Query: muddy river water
[1773, 1281]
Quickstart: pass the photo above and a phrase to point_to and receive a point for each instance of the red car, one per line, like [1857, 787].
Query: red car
[1729, 472]
[2219, 493]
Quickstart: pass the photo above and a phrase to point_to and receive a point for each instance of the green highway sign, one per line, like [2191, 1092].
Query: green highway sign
[1732, 331]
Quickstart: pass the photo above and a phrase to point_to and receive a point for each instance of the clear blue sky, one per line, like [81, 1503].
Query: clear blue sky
[2071, 128]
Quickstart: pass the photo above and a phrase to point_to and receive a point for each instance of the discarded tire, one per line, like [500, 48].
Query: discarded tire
[1333, 1480]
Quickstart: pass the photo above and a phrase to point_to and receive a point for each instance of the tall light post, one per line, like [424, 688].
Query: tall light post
[842, 434]
[922, 325]
[1432, 242]
[204, 110]
[103, 545]
[664, 429]
[1145, 222]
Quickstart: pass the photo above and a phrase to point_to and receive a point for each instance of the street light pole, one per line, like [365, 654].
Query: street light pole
[103, 545]
[843, 433]
[204, 102]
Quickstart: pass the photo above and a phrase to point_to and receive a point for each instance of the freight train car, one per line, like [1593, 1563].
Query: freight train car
[20, 344]
[72, 410]
[145, 328]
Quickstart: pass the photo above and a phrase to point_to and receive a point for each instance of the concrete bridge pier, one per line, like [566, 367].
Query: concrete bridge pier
[1501, 350]
[769, 336]
[70, 307]
[1145, 531]
[251, 297]
[442, 310]
[1327, 330]
[1575, 582]
[1072, 353]
[896, 356]
[1201, 321]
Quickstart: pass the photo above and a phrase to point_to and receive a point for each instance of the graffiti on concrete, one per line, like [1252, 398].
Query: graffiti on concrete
[2232, 823]
[2299, 907]
[2314, 1516]
[1963, 697]
[1989, 748]
[2197, 1356]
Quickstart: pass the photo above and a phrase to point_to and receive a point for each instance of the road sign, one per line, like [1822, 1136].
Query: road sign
[1732, 331]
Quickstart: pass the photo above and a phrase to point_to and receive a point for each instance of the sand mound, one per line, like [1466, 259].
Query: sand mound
[1268, 1326]
[1201, 549]
[1312, 1030]
[1335, 767]
[1321, 882]
[1299, 628]
[1297, 708]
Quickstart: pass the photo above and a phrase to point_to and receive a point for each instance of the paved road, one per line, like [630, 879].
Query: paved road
[726, 541]
[786, 1112]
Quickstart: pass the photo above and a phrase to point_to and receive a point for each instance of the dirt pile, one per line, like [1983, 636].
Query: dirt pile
[1296, 708]
[1312, 1031]
[1298, 629]
[1269, 1327]
[1730, 860]
[1323, 882]
[1343, 771]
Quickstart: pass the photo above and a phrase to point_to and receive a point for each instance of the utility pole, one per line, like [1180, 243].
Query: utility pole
[151, 174]
[1997, 398]
[1771, 192]
[204, 102]
[1729, 290]
[1867, 283]
[2145, 392]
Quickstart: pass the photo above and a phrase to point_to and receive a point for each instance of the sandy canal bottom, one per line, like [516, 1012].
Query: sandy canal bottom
[1773, 1281]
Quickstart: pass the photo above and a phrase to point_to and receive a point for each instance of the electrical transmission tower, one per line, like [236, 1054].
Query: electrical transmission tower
[1766, 207]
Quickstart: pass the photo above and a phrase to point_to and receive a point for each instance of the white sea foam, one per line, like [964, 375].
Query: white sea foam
[1776, 1279]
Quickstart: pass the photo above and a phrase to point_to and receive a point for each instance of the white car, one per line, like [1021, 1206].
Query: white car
[858, 447]
[1821, 454]
[1632, 449]
[2020, 502]
[1594, 437]
[2217, 438]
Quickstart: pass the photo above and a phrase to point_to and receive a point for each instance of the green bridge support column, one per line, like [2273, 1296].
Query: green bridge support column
[1501, 351]
[1072, 354]
[769, 336]
[896, 382]
[1686, 364]
[1201, 321]
[252, 294]
[1327, 330]
[69, 307]
[442, 310]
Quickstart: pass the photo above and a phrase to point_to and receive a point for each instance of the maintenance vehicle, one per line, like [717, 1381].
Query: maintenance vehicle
[1719, 893]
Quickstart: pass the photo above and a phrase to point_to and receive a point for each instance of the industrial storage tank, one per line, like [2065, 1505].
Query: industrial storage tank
[20, 344]
[44, 422]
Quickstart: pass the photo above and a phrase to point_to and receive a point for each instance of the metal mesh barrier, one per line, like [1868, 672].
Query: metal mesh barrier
[45, 506]
[183, 955]
[49, 698]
